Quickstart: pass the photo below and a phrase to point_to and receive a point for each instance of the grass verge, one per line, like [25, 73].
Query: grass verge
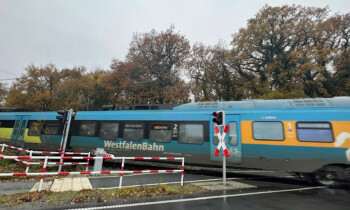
[48, 198]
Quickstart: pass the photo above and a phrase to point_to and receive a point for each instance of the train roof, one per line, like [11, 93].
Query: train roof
[309, 103]
[246, 105]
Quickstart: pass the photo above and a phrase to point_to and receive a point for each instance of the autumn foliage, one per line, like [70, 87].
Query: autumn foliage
[283, 52]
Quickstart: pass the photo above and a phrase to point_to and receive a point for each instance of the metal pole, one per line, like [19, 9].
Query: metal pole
[61, 147]
[30, 154]
[64, 129]
[87, 163]
[42, 175]
[223, 169]
[66, 137]
[121, 174]
[67, 129]
[224, 156]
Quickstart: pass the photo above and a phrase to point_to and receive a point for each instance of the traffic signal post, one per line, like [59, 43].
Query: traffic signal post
[219, 119]
[62, 117]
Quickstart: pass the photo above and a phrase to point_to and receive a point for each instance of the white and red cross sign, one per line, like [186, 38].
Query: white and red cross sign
[221, 141]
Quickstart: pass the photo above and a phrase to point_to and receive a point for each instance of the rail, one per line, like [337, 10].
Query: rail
[121, 172]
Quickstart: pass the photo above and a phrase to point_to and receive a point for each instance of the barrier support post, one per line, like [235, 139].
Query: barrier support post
[65, 134]
[28, 163]
[121, 174]
[182, 173]
[223, 169]
[42, 175]
[87, 163]
[3, 147]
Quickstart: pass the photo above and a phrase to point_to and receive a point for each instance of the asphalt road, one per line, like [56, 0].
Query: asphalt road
[266, 190]
[271, 190]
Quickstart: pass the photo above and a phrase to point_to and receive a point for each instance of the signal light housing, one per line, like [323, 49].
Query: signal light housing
[62, 117]
[219, 118]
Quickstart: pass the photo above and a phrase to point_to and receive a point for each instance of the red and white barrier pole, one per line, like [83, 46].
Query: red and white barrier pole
[42, 175]
[89, 158]
[89, 172]
[121, 173]
[87, 163]
[28, 163]
[182, 173]
[50, 163]
[43, 152]
[2, 149]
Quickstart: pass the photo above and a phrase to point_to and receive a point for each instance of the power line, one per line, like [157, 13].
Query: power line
[8, 79]
[8, 73]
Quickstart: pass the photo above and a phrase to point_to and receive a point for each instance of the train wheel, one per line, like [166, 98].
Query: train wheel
[319, 179]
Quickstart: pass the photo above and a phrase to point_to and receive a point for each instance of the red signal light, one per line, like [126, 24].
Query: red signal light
[218, 118]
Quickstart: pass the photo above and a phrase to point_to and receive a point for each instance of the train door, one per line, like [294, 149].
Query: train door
[19, 131]
[233, 140]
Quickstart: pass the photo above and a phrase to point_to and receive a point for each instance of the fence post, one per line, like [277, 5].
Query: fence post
[42, 175]
[121, 174]
[87, 163]
[3, 147]
[30, 155]
[99, 162]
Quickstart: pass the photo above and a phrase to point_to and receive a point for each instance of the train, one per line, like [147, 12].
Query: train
[308, 137]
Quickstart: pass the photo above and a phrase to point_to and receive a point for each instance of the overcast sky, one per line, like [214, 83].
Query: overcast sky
[71, 33]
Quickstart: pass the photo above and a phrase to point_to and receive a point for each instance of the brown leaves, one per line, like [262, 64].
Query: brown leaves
[151, 72]
[80, 199]
[46, 88]
[287, 47]
[24, 197]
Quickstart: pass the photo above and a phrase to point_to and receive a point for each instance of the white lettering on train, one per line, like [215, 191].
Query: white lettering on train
[135, 146]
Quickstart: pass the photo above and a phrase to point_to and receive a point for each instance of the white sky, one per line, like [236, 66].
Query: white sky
[71, 33]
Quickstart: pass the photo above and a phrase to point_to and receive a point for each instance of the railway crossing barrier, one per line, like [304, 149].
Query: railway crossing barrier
[32, 152]
[121, 172]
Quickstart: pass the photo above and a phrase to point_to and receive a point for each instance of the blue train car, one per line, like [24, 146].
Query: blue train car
[307, 136]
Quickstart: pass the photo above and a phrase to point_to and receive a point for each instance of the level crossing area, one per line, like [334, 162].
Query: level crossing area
[258, 158]
[241, 189]
[244, 189]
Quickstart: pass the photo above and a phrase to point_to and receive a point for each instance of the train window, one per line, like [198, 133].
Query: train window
[161, 132]
[35, 128]
[23, 127]
[268, 131]
[51, 128]
[133, 132]
[15, 130]
[7, 123]
[191, 134]
[87, 129]
[232, 134]
[109, 130]
[314, 132]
